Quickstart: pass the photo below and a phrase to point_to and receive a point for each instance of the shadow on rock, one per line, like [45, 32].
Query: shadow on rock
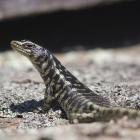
[32, 105]
[27, 106]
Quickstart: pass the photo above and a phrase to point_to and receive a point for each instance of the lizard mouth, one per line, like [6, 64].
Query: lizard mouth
[18, 46]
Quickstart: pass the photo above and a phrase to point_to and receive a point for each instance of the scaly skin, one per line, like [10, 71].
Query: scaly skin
[79, 102]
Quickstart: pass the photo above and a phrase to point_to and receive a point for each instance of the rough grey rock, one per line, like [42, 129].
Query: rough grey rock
[114, 74]
[14, 8]
[121, 130]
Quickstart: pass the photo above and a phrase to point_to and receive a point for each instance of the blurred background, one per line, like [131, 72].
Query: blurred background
[62, 25]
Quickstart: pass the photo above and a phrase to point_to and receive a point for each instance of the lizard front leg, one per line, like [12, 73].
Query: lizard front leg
[48, 99]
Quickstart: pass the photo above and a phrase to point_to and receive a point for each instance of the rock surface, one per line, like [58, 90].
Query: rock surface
[9, 9]
[114, 74]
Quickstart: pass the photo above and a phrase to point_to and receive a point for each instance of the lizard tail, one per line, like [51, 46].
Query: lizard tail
[106, 114]
[94, 113]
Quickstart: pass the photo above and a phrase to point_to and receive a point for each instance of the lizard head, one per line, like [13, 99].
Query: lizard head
[29, 49]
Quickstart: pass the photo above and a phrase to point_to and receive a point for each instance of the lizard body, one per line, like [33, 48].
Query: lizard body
[79, 102]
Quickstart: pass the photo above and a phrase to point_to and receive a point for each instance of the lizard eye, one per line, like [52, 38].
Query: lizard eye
[29, 45]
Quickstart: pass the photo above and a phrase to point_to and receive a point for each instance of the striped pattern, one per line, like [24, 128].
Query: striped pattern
[79, 102]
